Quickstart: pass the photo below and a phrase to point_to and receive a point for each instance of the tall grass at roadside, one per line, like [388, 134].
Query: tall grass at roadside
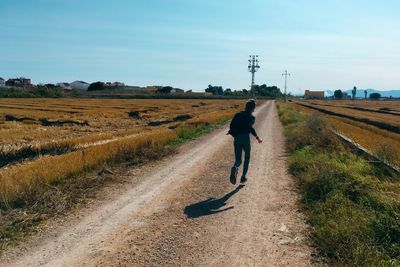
[14, 153]
[353, 206]
[186, 133]
[199, 126]
[21, 182]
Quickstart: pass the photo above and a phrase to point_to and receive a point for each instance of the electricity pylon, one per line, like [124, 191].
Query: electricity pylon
[253, 68]
[286, 74]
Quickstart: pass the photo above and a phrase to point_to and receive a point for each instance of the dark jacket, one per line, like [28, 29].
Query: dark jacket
[242, 123]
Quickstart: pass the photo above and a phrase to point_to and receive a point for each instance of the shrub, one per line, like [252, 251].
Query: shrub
[288, 116]
[340, 227]
[375, 96]
[96, 86]
[338, 94]
[307, 130]
[387, 153]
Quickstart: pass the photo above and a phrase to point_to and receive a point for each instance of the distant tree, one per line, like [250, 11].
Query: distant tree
[215, 90]
[375, 96]
[245, 91]
[44, 91]
[338, 94]
[228, 91]
[354, 93]
[165, 89]
[50, 85]
[209, 89]
[97, 86]
[267, 91]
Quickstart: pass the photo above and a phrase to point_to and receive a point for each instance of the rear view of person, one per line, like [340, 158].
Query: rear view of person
[240, 128]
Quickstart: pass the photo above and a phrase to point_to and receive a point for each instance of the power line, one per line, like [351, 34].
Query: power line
[253, 68]
[286, 74]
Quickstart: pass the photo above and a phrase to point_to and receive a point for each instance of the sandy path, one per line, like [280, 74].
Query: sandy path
[184, 212]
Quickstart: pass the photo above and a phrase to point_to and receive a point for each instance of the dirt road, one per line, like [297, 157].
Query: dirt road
[184, 212]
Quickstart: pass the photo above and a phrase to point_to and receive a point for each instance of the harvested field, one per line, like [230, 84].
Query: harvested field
[381, 121]
[46, 139]
[369, 123]
[387, 107]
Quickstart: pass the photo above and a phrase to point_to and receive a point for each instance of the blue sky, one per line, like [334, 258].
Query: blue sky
[190, 44]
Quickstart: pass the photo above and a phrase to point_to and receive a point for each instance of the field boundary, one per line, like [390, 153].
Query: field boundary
[364, 150]
[359, 108]
[381, 125]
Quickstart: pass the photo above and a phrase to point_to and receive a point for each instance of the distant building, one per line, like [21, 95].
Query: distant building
[19, 82]
[177, 91]
[119, 84]
[64, 86]
[79, 85]
[2, 82]
[314, 94]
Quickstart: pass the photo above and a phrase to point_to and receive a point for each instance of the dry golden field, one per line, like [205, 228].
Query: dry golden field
[387, 105]
[46, 139]
[372, 124]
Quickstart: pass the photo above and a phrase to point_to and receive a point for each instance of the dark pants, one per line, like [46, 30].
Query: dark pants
[242, 143]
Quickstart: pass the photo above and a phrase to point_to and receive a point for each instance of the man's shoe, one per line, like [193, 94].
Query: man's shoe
[243, 179]
[234, 172]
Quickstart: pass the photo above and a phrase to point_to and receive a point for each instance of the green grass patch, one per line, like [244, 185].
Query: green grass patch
[353, 207]
[189, 133]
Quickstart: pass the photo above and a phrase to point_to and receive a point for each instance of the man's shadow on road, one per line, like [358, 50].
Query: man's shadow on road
[210, 206]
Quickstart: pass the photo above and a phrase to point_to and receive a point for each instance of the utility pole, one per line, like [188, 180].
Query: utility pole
[286, 74]
[253, 68]
[354, 93]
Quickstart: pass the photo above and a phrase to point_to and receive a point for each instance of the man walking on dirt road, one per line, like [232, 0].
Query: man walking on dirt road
[240, 128]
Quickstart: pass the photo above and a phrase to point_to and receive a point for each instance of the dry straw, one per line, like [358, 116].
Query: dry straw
[25, 179]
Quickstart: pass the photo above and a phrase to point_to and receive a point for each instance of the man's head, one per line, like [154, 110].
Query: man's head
[250, 105]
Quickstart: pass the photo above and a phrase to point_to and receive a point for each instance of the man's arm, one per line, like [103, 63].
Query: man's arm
[231, 126]
[252, 130]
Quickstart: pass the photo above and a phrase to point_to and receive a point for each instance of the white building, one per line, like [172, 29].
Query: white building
[64, 86]
[177, 91]
[314, 94]
[2, 82]
[79, 85]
